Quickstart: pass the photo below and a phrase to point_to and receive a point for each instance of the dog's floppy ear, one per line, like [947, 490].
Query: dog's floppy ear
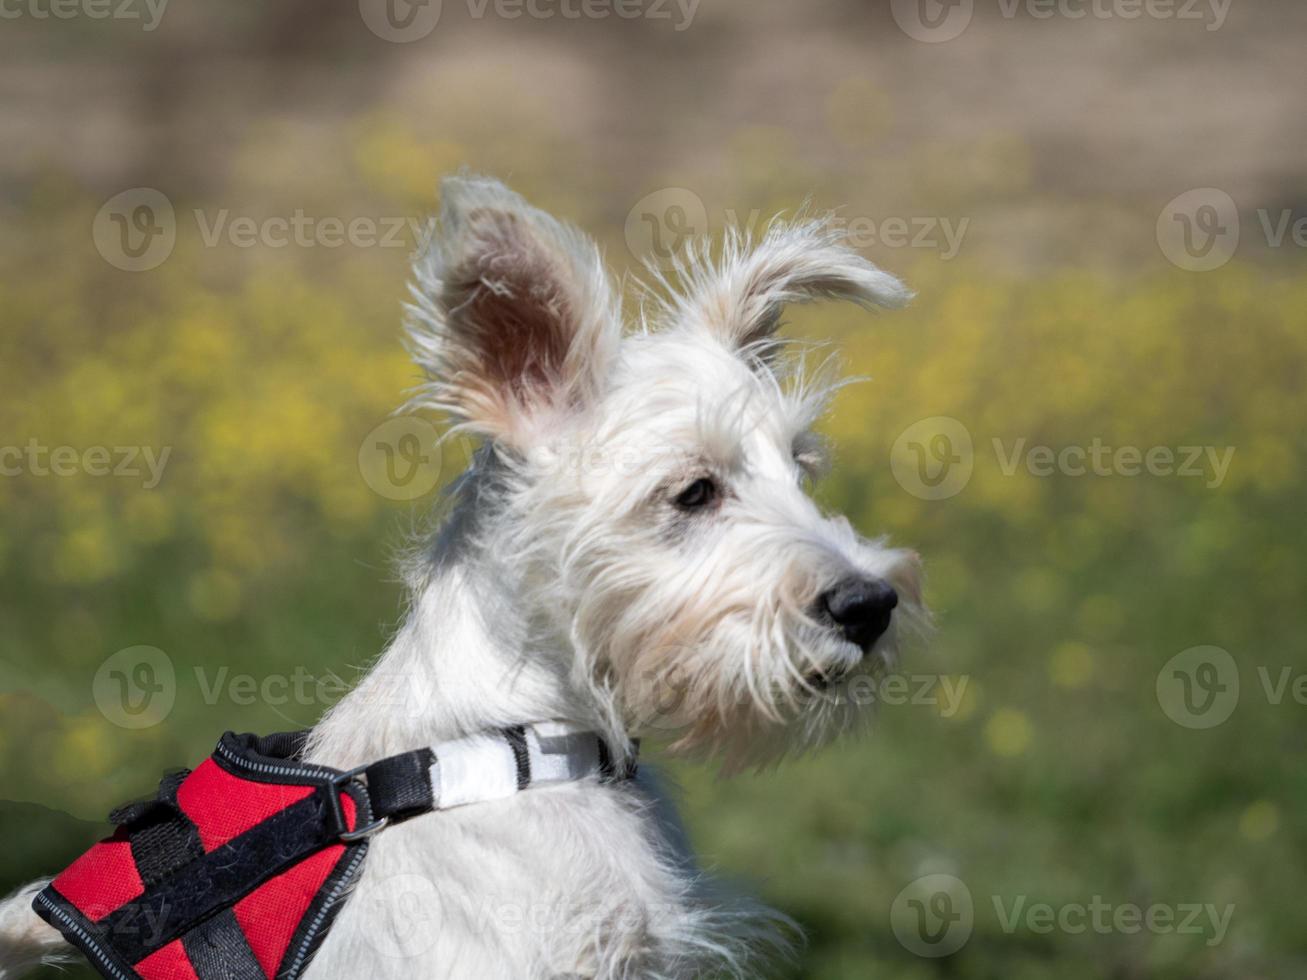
[739, 298]
[513, 319]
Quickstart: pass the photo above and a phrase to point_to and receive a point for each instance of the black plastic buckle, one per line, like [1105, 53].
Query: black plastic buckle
[339, 824]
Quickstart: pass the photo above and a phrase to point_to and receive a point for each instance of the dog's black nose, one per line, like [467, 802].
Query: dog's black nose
[861, 608]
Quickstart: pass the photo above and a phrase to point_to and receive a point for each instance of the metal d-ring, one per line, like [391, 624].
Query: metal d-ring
[359, 833]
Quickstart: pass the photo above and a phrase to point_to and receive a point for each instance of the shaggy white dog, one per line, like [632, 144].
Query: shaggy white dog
[633, 551]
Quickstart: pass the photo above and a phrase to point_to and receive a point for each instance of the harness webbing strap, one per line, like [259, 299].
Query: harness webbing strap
[486, 766]
[217, 880]
[218, 950]
[400, 786]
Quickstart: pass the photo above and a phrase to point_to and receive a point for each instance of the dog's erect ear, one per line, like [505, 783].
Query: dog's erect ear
[513, 319]
[739, 298]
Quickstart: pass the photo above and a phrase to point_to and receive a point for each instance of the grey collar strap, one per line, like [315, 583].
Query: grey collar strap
[479, 768]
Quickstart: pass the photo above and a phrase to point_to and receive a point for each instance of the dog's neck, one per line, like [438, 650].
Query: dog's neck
[461, 662]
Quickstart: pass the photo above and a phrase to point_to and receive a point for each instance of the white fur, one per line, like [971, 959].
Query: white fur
[566, 584]
[26, 942]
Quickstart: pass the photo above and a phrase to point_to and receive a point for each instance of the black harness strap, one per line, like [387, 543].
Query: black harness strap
[162, 837]
[400, 786]
[218, 950]
[219, 878]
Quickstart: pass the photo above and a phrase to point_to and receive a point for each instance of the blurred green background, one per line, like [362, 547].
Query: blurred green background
[1071, 770]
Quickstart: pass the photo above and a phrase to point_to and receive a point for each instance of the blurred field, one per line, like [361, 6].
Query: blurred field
[262, 551]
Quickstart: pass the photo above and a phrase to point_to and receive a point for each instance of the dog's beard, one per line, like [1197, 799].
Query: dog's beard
[748, 689]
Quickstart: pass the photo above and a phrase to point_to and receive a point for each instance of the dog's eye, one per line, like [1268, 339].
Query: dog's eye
[697, 495]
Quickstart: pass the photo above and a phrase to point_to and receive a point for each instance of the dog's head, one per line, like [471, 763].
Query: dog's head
[651, 487]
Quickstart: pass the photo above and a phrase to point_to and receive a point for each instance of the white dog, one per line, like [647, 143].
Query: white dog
[633, 551]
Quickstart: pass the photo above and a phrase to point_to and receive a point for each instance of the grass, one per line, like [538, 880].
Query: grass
[1057, 779]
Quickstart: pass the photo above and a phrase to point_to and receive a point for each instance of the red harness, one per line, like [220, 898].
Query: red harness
[235, 870]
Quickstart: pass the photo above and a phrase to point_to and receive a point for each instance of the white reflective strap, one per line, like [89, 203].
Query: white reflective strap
[473, 770]
[557, 729]
[559, 756]
[483, 767]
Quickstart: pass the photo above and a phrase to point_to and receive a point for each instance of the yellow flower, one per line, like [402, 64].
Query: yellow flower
[1008, 732]
[214, 595]
[1260, 820]
[1072, 665]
